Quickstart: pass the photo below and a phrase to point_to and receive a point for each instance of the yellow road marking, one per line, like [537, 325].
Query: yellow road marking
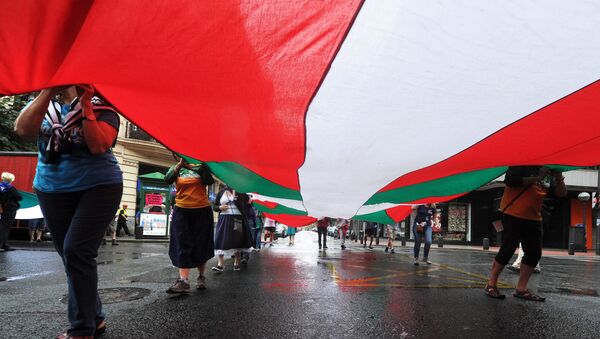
[475, 281]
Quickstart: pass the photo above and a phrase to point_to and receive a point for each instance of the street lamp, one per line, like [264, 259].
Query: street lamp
[596, 218]
[584, 197]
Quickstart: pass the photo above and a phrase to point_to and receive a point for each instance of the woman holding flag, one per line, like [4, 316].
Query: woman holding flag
[79, 185]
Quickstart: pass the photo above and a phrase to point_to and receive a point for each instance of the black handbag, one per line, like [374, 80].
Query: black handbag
[420, 228]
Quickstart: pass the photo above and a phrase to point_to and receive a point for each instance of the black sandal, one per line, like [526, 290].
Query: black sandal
[528, 295]
[493, 292]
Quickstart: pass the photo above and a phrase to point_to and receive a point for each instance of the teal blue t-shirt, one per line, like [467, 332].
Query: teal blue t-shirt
[75, 168]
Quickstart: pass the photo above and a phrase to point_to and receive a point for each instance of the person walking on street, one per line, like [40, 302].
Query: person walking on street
[253, 223]
[422, 231]
[526, 188]
[232, 236]
[322, 225]
[9, 204]
[270, 227]
[391, 230]
[291, 232]
[191, 244]
[36, 228]
[370, 231]
[79, 184]
[258, 229]
[111, 230]
[516, 266]
[122, 221]
[342, 226]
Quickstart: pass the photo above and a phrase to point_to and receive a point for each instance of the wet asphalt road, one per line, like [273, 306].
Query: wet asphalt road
[300, 292]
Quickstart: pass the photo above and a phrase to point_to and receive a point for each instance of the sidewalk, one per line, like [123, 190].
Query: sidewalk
[493, 249]
[545, 251]
[47, 244]
[382, 241]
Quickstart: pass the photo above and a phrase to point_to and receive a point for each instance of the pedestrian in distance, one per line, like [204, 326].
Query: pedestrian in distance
[36, 228]
[322, 225]
[253, 223]
[258, 229]
[233, 235]
[270, 227]
[370, 231]
[9, 204]
[516, 266]
[291, 232]
[526, 188]
[111, 230]
[191, 243]
[422, 231]
[122, 221]
[342, 226]
[79, 184]
[391, 230]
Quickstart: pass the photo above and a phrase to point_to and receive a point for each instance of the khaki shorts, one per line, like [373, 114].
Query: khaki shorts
[112, 227]
[392, 230]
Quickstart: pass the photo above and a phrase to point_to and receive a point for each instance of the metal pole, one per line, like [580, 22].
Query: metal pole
[594, 222]
[584, 228]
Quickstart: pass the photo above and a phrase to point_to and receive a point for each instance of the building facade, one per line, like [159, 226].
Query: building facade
[138, 154]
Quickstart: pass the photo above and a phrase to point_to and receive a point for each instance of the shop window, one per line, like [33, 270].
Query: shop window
[459, 222]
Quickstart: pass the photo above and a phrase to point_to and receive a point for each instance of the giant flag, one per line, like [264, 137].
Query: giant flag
[341, 108]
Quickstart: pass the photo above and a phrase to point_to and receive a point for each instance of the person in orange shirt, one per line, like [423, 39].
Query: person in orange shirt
[191, 243]
[526, 188]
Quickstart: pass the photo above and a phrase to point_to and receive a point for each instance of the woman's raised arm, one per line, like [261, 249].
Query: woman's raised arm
[28, 122]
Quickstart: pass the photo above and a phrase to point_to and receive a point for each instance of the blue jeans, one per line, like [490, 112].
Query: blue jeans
[256, 233]
[78, 221]
[419, 238]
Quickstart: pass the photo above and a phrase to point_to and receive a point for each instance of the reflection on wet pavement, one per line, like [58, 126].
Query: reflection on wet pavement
[358, 267]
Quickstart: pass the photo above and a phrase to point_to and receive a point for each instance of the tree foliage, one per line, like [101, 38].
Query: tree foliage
[10, 106]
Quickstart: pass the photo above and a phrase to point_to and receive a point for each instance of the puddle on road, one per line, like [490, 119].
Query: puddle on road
[586, 292]
[133, 256]
[117, 294]
[25, 276]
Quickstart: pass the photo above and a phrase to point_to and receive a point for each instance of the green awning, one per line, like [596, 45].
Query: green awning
[155, 176]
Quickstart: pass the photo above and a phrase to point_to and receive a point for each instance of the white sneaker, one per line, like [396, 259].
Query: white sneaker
[217, 268]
